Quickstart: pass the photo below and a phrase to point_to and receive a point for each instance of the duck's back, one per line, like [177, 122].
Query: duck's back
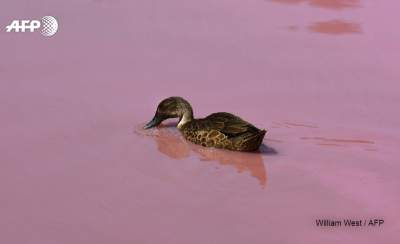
[224, 130]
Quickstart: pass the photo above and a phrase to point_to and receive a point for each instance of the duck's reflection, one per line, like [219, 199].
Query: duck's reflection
[171, 143]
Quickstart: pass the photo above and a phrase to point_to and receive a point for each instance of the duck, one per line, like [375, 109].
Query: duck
[219, 130]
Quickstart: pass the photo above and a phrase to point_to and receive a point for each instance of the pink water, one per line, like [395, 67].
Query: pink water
[321, 75]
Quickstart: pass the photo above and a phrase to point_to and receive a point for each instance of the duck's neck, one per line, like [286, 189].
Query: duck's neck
[186, 113]
[185, 119]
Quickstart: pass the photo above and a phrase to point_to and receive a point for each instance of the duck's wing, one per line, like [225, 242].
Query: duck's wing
[226, 123]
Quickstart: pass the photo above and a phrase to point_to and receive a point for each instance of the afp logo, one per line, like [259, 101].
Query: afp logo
[49, 26]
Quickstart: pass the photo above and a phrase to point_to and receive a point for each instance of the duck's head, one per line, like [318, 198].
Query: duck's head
[172, 107]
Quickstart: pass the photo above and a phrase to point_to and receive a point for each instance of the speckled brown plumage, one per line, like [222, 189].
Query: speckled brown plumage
[220, 130]
[223, 130]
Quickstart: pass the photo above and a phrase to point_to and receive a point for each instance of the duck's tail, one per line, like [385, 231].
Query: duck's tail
[250, 141]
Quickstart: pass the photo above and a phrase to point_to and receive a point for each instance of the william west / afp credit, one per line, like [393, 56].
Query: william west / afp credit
[349, 222]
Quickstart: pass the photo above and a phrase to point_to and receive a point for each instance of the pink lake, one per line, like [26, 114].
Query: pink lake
[322, 76]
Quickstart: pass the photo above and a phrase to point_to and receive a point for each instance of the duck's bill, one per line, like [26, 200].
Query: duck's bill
[154, 122]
